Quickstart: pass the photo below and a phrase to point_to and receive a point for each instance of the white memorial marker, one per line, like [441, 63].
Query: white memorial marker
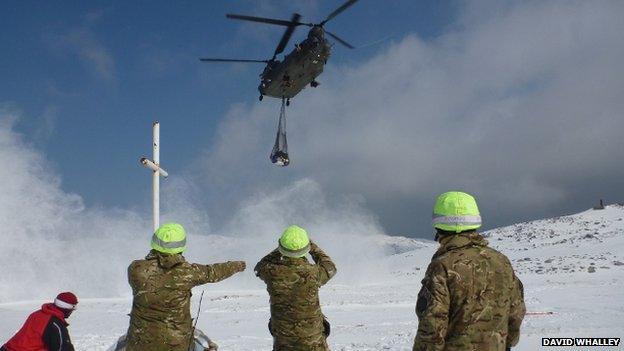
[154, 165]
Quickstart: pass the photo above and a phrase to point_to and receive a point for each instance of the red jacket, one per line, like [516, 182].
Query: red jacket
[44, 330]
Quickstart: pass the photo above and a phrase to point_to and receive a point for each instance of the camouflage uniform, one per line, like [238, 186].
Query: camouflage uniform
[297, 323]
[470, 298]
[161, 285]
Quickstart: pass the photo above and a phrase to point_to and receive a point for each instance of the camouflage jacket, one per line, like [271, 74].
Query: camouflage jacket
[161, 285]
[470, 298]
[297, 323]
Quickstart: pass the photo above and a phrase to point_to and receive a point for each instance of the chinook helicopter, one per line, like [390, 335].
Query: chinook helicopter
[285, 79]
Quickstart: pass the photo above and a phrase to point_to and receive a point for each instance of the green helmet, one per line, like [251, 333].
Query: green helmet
[294, 242]
[456, 212]
[170, 238]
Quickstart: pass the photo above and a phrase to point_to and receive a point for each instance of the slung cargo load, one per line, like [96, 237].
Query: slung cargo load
[279, 154]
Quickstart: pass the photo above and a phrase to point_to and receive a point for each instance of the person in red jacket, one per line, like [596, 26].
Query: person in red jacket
[46, 329]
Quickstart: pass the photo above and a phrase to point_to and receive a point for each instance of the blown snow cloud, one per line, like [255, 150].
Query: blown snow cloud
[53, 242]
[519, 103]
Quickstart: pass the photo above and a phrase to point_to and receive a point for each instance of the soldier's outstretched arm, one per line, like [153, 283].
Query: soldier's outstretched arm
[516, 312]
[432, 309]
[327, 267]
[212, 273]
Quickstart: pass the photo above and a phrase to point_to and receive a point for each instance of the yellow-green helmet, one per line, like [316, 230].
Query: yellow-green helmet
[294, 242]
[170, 238]
[456, 211]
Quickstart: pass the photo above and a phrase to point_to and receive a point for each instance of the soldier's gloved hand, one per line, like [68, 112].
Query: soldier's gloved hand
[240, 265]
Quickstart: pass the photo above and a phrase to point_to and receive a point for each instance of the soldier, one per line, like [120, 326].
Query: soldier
[470, 297]
[297, 323]
[161, 285]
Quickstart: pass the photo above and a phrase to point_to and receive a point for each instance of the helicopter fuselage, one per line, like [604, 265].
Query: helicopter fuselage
[287, 78]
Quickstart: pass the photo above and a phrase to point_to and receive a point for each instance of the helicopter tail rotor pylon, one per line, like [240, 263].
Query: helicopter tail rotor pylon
[294, 22]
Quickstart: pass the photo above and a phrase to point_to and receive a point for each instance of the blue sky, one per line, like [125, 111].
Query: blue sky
[89, 77]
[517, 102]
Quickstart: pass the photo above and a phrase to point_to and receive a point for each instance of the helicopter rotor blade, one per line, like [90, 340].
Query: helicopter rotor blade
[341, 41]
[339, 10]
[263, 20]
[231, 60]
[287, 34]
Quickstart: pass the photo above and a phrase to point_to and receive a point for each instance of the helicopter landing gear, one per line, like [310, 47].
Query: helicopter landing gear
[314, 84]
[260, 97]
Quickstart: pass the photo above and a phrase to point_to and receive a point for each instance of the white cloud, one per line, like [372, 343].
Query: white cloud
[521, 106]
[46, 124]
[82, 43]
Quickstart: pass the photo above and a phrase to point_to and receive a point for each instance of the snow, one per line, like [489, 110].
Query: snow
[570, 265]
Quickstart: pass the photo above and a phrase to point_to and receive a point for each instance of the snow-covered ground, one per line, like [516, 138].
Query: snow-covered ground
[572, 266]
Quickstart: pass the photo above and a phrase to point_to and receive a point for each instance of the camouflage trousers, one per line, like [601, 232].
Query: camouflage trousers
[315, 342]
[300, 345]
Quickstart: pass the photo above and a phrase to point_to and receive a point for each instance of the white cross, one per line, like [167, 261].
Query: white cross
[154, 165]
